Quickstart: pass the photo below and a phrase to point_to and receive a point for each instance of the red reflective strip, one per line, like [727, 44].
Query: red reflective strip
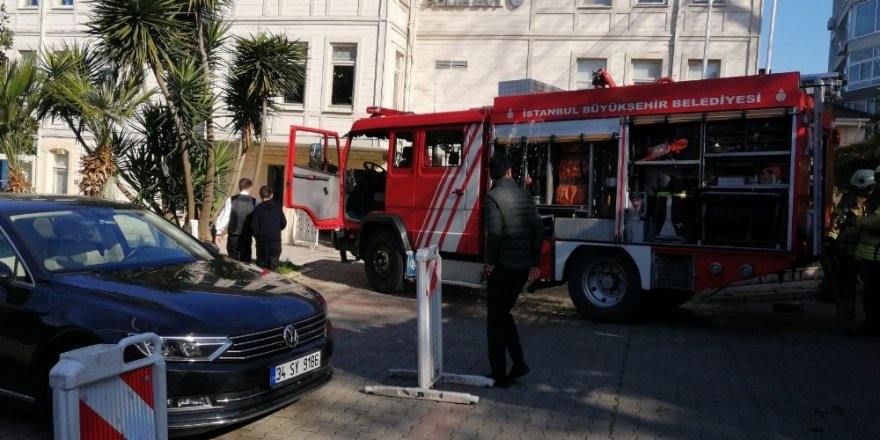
[141, 382]
[433, 276]
[93, 427]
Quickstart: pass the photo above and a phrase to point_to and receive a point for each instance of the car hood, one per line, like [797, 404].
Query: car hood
[214, 297]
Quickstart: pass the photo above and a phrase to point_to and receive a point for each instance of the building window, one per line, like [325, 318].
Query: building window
[863, 69]
[399, 72]
[344, 56]
[651, 2]
[706, 2]
[451, 64]
[66, 3]
[585, 69]
[865, 18]
[298, 96]
[646, 71]
[60, 171]
[595, 3]
[695, 69]
[30, 3]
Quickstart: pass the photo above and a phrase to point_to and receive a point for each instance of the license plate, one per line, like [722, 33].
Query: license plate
[294, 368]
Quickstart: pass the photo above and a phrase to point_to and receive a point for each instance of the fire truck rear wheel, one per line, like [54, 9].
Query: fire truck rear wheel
[605, 287]
[384, 262]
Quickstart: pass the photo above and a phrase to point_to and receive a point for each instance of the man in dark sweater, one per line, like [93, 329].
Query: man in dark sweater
[514, 232]
[233, 218]
[267, 221]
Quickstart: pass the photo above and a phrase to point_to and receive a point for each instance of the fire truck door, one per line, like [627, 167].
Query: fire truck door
[313, 176]
[447, 197]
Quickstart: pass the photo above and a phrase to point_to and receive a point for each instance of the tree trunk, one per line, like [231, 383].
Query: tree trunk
[243, 149]
[128, 195]
[184, 146]
[206, 214]
[263, 117]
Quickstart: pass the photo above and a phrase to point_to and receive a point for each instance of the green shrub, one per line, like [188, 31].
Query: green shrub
[285, 267]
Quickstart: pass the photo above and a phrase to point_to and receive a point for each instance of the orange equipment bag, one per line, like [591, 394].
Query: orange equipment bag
[572, 189]
[567, 194]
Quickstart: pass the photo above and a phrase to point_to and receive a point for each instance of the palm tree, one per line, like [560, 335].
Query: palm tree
[210, 33]
[19, 82]
[149, 165]
[151, 33]
[93, 97]
[262, 67]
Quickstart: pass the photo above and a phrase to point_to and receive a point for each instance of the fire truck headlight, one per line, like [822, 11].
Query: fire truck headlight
[746, 271]
[715, 268]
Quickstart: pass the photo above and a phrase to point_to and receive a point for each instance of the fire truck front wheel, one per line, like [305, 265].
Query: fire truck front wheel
[605, 287]
[384, 262]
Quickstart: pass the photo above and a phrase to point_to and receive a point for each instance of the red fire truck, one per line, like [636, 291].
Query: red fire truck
[649, 193]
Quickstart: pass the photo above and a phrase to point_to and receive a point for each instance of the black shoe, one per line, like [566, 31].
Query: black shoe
[500, 382]
[518, 371]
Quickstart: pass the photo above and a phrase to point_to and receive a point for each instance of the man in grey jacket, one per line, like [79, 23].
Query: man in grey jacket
[514, 232]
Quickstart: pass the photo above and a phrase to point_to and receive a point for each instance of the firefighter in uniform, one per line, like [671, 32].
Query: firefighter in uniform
[843, 239]
[867, 256]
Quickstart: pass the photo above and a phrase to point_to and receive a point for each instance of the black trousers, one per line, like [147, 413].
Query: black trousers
[239, 247]
[870, 274]
[504, 287]
[268, 254]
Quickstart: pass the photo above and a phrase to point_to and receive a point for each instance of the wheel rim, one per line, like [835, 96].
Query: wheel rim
[382, 261]
[604, 283]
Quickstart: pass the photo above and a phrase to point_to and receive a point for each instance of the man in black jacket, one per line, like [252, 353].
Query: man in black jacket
[267, 221]
[513, 244]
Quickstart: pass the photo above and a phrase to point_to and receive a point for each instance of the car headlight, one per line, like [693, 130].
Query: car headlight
[188, 348]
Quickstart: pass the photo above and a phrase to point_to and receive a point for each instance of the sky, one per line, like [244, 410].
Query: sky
[800, 37]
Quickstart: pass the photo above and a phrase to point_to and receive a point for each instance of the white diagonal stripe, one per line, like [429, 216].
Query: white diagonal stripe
[121, 407]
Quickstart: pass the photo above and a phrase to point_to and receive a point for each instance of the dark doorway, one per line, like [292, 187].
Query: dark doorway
[275, 180]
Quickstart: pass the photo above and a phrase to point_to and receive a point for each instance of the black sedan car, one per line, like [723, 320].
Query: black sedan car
[238, 341]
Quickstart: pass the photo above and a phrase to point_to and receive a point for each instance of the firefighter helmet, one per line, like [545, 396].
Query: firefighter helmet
[862, 179]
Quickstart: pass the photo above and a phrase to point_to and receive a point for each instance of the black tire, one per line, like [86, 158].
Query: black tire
[669, 299]
[384, 261]
[604, 286]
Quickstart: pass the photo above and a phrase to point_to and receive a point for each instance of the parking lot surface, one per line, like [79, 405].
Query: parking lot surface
[705, 371]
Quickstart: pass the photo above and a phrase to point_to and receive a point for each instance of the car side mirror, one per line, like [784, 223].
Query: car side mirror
[6, 275]
[212, 247]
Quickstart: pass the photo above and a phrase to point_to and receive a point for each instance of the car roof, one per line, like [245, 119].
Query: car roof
[11, 203]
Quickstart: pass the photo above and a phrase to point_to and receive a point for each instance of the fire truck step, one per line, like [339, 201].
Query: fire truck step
[463, 273]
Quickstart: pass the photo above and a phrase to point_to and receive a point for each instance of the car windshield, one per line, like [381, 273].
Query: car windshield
[101, 238]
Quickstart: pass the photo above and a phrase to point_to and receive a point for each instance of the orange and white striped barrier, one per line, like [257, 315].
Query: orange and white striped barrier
[97, 395]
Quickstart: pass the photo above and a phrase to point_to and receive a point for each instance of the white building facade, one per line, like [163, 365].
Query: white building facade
[433, 55]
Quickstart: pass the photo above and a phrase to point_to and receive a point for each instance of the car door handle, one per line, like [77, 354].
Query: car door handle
[458, 191]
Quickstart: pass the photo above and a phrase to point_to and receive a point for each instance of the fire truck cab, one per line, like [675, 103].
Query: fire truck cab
[649, 193]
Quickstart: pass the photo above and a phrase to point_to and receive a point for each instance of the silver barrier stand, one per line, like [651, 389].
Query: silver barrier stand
[430, 342]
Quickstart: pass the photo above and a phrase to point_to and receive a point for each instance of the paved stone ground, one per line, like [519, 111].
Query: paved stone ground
[709, 370]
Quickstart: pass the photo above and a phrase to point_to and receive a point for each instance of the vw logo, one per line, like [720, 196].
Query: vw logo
[290, 335]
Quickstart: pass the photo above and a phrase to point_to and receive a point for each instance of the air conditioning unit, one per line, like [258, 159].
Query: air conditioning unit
[831, 22]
